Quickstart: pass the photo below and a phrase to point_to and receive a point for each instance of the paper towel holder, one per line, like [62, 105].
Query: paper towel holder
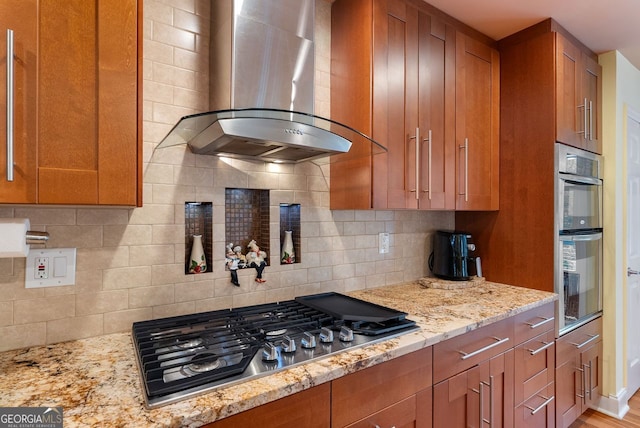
[36, 238]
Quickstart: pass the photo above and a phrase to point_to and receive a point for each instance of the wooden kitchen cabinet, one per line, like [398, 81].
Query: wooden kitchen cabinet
[479, 396]
[309, 408]
[394, 393]
[477, 125]
[578, 371]
[578, 96]
[534, 391]
[78, 103]
[395, 71]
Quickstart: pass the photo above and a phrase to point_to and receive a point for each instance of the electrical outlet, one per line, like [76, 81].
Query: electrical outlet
[41, 268]
[383, 242]
[50, 267]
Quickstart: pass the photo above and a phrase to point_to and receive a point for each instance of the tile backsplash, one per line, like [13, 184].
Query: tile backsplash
[130, 262]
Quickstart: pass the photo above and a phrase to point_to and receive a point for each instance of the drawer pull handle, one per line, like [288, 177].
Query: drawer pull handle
[540, 349]
[538, 324]
[486, 348]
[592, 337]
[542, 406]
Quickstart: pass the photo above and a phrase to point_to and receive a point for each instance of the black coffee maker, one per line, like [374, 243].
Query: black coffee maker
[450, 258]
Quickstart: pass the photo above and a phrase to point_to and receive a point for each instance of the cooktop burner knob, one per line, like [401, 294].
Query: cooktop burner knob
[288, 344]
[326, 335]
[346, 334]
[269, 352]
[308, 340]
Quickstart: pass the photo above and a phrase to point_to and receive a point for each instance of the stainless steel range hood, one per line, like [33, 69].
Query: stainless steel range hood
[261, 85]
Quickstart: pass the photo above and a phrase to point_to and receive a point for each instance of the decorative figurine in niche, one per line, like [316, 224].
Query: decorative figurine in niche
[197, 262]
[232, 263]
[256, 258]
[242, 260]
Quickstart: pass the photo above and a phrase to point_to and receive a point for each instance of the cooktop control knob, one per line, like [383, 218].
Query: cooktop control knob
[288, 344]
[346, 334]
[308, 340]
[326, 335]
[269, 352]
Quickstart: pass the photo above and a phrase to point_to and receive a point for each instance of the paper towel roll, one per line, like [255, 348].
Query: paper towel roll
[13, 232]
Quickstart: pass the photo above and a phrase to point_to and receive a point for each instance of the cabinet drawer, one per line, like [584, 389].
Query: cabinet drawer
[462, 352]
[579, 339]
[533, 322]
[360, 394]
[398, 415]
[534, 365]
[538, 411]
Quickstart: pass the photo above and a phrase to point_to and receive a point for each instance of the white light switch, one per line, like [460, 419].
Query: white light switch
[50, 267]
[383, 242]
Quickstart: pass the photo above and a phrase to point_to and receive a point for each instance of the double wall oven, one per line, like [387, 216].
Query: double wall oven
[578, 231]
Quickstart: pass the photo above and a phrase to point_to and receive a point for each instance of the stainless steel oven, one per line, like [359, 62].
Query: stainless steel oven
[578, 229]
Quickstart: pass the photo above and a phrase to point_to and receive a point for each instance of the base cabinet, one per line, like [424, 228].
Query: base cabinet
[395, 393]
[578, 372]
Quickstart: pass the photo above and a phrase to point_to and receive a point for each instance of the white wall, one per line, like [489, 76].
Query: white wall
[621, 90]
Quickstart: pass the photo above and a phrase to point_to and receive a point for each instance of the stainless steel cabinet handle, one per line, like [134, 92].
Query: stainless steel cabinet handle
[546, 345]
[486, 348]
[481, 408]
[466, 169]
[590, 120]
[542, 406]
[10, 86]
[588, 237]
[632, 272]
[586, 137]
[429, 176]
[417, 138]
[541, 323]
[583, 396]
[590, 383]
[592, 337]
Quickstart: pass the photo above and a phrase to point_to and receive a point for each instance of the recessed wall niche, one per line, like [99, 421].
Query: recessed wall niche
[198, 220]
[290, 225]
[246, 213]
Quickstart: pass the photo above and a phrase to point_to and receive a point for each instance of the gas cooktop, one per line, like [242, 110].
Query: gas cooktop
[180, 357]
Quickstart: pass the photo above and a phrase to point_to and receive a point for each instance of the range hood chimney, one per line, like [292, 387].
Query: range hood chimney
[262, 88]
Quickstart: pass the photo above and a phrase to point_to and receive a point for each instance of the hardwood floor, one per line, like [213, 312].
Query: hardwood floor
[593, 419]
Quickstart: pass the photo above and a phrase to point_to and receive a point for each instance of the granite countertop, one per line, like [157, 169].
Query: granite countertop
[96, 380]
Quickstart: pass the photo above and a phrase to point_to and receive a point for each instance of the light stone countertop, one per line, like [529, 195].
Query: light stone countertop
[97, 382]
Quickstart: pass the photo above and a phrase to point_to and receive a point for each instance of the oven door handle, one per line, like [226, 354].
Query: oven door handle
[579, 179]
[585, 237]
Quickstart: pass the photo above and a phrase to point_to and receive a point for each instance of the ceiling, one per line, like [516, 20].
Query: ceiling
[602, 25]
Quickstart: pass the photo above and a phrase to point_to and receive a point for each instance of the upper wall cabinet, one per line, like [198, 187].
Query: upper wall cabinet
[75, 113]
[577, 76]
[477, 125]
[578, 96]
[395, 73]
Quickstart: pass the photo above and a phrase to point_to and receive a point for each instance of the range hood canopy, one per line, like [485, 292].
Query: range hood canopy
[269, 135]
[261, 88]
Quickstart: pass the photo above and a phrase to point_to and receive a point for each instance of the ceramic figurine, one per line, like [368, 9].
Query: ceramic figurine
[256, 258]
[232, 263]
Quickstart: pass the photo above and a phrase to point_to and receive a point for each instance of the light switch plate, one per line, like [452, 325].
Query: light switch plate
[50, 267]
[383, 242]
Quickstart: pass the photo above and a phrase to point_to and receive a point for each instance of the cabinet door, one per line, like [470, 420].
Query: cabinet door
[395, 64]
[435, 117]
[592, 90]
[477, 125]
[87, 102]
[481, 396]
[20, 16]
[309, 408]
[570, 109]
[569, 388]
[591, 360]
